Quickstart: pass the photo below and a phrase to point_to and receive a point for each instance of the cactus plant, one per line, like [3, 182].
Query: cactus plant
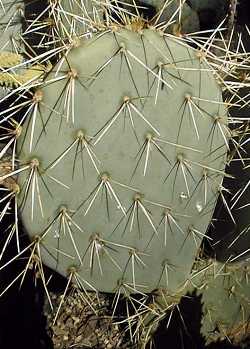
[11, 15]
[175, 16]
[125, 153]
[224, 288]
[118, 157]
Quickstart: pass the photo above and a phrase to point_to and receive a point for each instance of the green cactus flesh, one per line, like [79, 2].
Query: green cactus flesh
[225, 293]
[122, 159]
[178, 16]
[11, 13]
[82, 16]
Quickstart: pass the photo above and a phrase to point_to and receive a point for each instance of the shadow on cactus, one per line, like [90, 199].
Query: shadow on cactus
[118, 158]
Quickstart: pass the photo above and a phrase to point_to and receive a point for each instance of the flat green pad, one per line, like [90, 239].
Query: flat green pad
[133, 125]
[225, 291]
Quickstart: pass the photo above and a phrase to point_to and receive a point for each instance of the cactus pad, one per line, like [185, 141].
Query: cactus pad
[121, 160]
[225, 297]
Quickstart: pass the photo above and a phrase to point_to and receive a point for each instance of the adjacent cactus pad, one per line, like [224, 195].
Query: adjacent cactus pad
[122, 159]
[11, 14]
[225, 297]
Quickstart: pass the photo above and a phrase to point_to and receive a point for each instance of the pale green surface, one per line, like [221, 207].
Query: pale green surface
[173, 14]
[95, 104]
[225, 301]
[9, 15]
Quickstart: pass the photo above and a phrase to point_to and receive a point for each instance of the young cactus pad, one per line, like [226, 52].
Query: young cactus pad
[225, 298]
[121, 160]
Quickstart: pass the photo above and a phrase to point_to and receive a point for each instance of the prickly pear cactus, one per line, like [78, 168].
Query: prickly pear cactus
[175, 16]
[77, 17]
[11, 16]
[114, 157]
[225, 293]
